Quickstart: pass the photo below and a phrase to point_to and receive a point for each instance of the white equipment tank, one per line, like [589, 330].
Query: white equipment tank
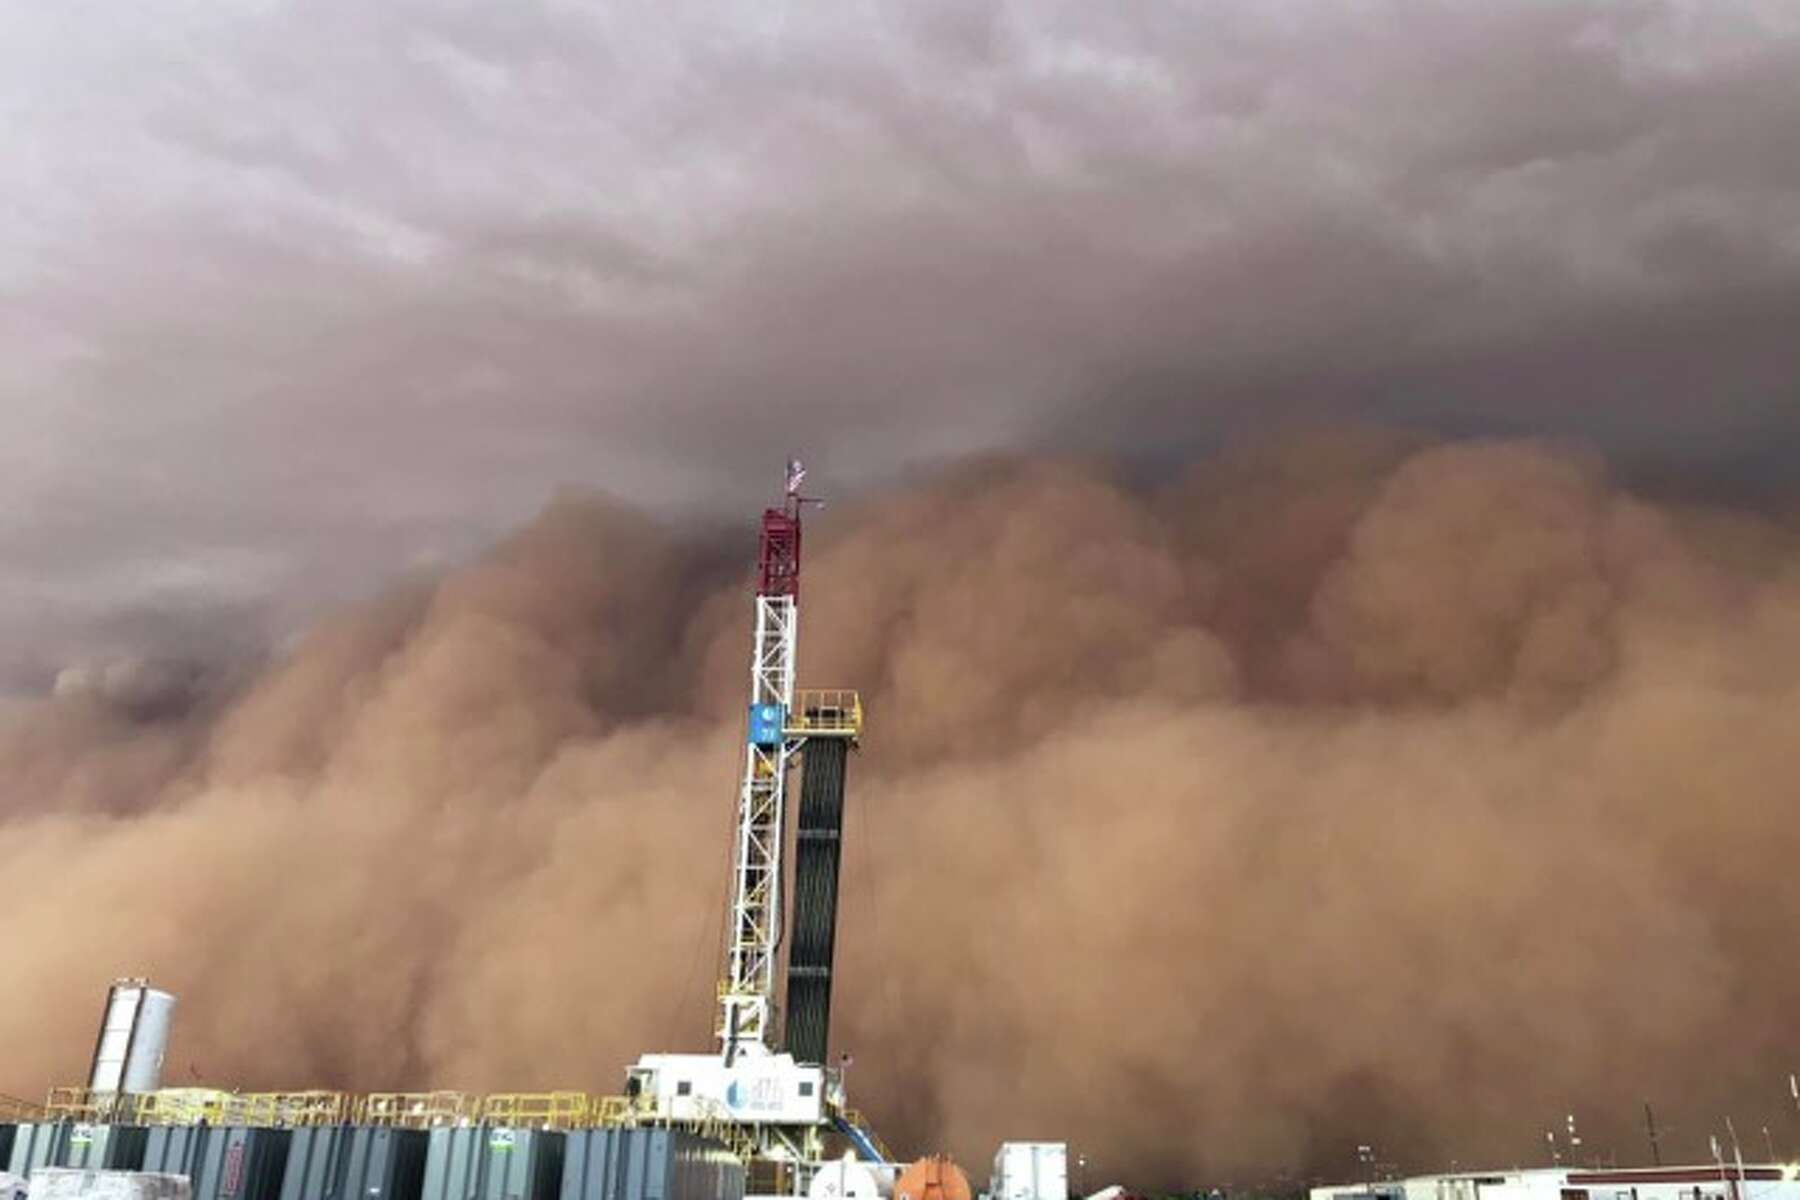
[847, 1179]
[134, 1036]
[1031, 1171]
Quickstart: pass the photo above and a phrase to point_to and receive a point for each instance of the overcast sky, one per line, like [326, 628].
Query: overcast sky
[295, 295]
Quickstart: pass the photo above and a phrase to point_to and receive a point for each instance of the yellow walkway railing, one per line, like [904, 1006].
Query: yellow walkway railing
[16, 1111]
[538, 1110]
[292, 1109]
[714, 1121]
[80, 1104]
[410, 1110]
[826, 713]
[419, 1110]
[856, 1121]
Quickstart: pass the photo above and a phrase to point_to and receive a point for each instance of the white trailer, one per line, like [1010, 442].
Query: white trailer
[757, 1089]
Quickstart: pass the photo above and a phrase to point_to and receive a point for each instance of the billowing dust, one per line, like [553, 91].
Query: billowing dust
[1345, 790]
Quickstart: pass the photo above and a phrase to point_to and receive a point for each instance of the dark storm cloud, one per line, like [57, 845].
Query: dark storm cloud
[298, 296]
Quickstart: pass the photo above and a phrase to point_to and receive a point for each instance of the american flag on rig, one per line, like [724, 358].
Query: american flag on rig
[796, 476]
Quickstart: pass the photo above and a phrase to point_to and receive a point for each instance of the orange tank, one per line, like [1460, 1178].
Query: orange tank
[934, 1178]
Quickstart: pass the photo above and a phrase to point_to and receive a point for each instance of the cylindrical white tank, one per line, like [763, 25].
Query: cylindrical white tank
[847, 1179]
[134, 1035]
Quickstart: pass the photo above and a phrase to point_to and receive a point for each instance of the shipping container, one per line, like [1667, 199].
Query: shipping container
[649, 1164]
[76, 1145]
[1030, 1171]
[224, 1162]
[173, 1149]
[34, 1145]
[486, 1162]
[105, 1148]
[355, 1162]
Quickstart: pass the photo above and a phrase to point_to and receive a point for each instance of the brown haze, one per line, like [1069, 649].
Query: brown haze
[1349, 789]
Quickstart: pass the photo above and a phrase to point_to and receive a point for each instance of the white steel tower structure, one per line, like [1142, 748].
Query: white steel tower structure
[747, 991]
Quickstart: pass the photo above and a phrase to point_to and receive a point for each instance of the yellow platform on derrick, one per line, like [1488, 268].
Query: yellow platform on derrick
[825, 712]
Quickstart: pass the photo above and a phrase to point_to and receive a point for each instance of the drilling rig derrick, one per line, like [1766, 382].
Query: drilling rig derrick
[774, 1089]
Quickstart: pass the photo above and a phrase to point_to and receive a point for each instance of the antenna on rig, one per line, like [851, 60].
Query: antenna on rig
[796, 476]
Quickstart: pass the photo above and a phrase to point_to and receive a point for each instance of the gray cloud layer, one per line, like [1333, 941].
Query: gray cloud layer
[293, 296]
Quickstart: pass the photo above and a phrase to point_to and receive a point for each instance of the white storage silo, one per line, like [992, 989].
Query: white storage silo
[134, 1036]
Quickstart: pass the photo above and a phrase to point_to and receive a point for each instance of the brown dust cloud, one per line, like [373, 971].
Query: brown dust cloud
[1348, 789]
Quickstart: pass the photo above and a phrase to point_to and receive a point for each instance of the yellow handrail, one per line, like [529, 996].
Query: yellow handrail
[826, 712]
[714, 1122]
[292, 1109]
[857, 1122]
[419, 1110]
[83, 1104]
[538, 1110]
[16, 1111]
[567, 1110]
[188, 1106]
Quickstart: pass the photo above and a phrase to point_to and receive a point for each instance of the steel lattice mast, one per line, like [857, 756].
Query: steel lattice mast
[747, 991]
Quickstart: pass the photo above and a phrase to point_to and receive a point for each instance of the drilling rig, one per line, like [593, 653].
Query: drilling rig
[775, 1099]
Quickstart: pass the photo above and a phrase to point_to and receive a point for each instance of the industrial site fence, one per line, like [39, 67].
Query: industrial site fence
[14, 1110]
[399, 1110]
